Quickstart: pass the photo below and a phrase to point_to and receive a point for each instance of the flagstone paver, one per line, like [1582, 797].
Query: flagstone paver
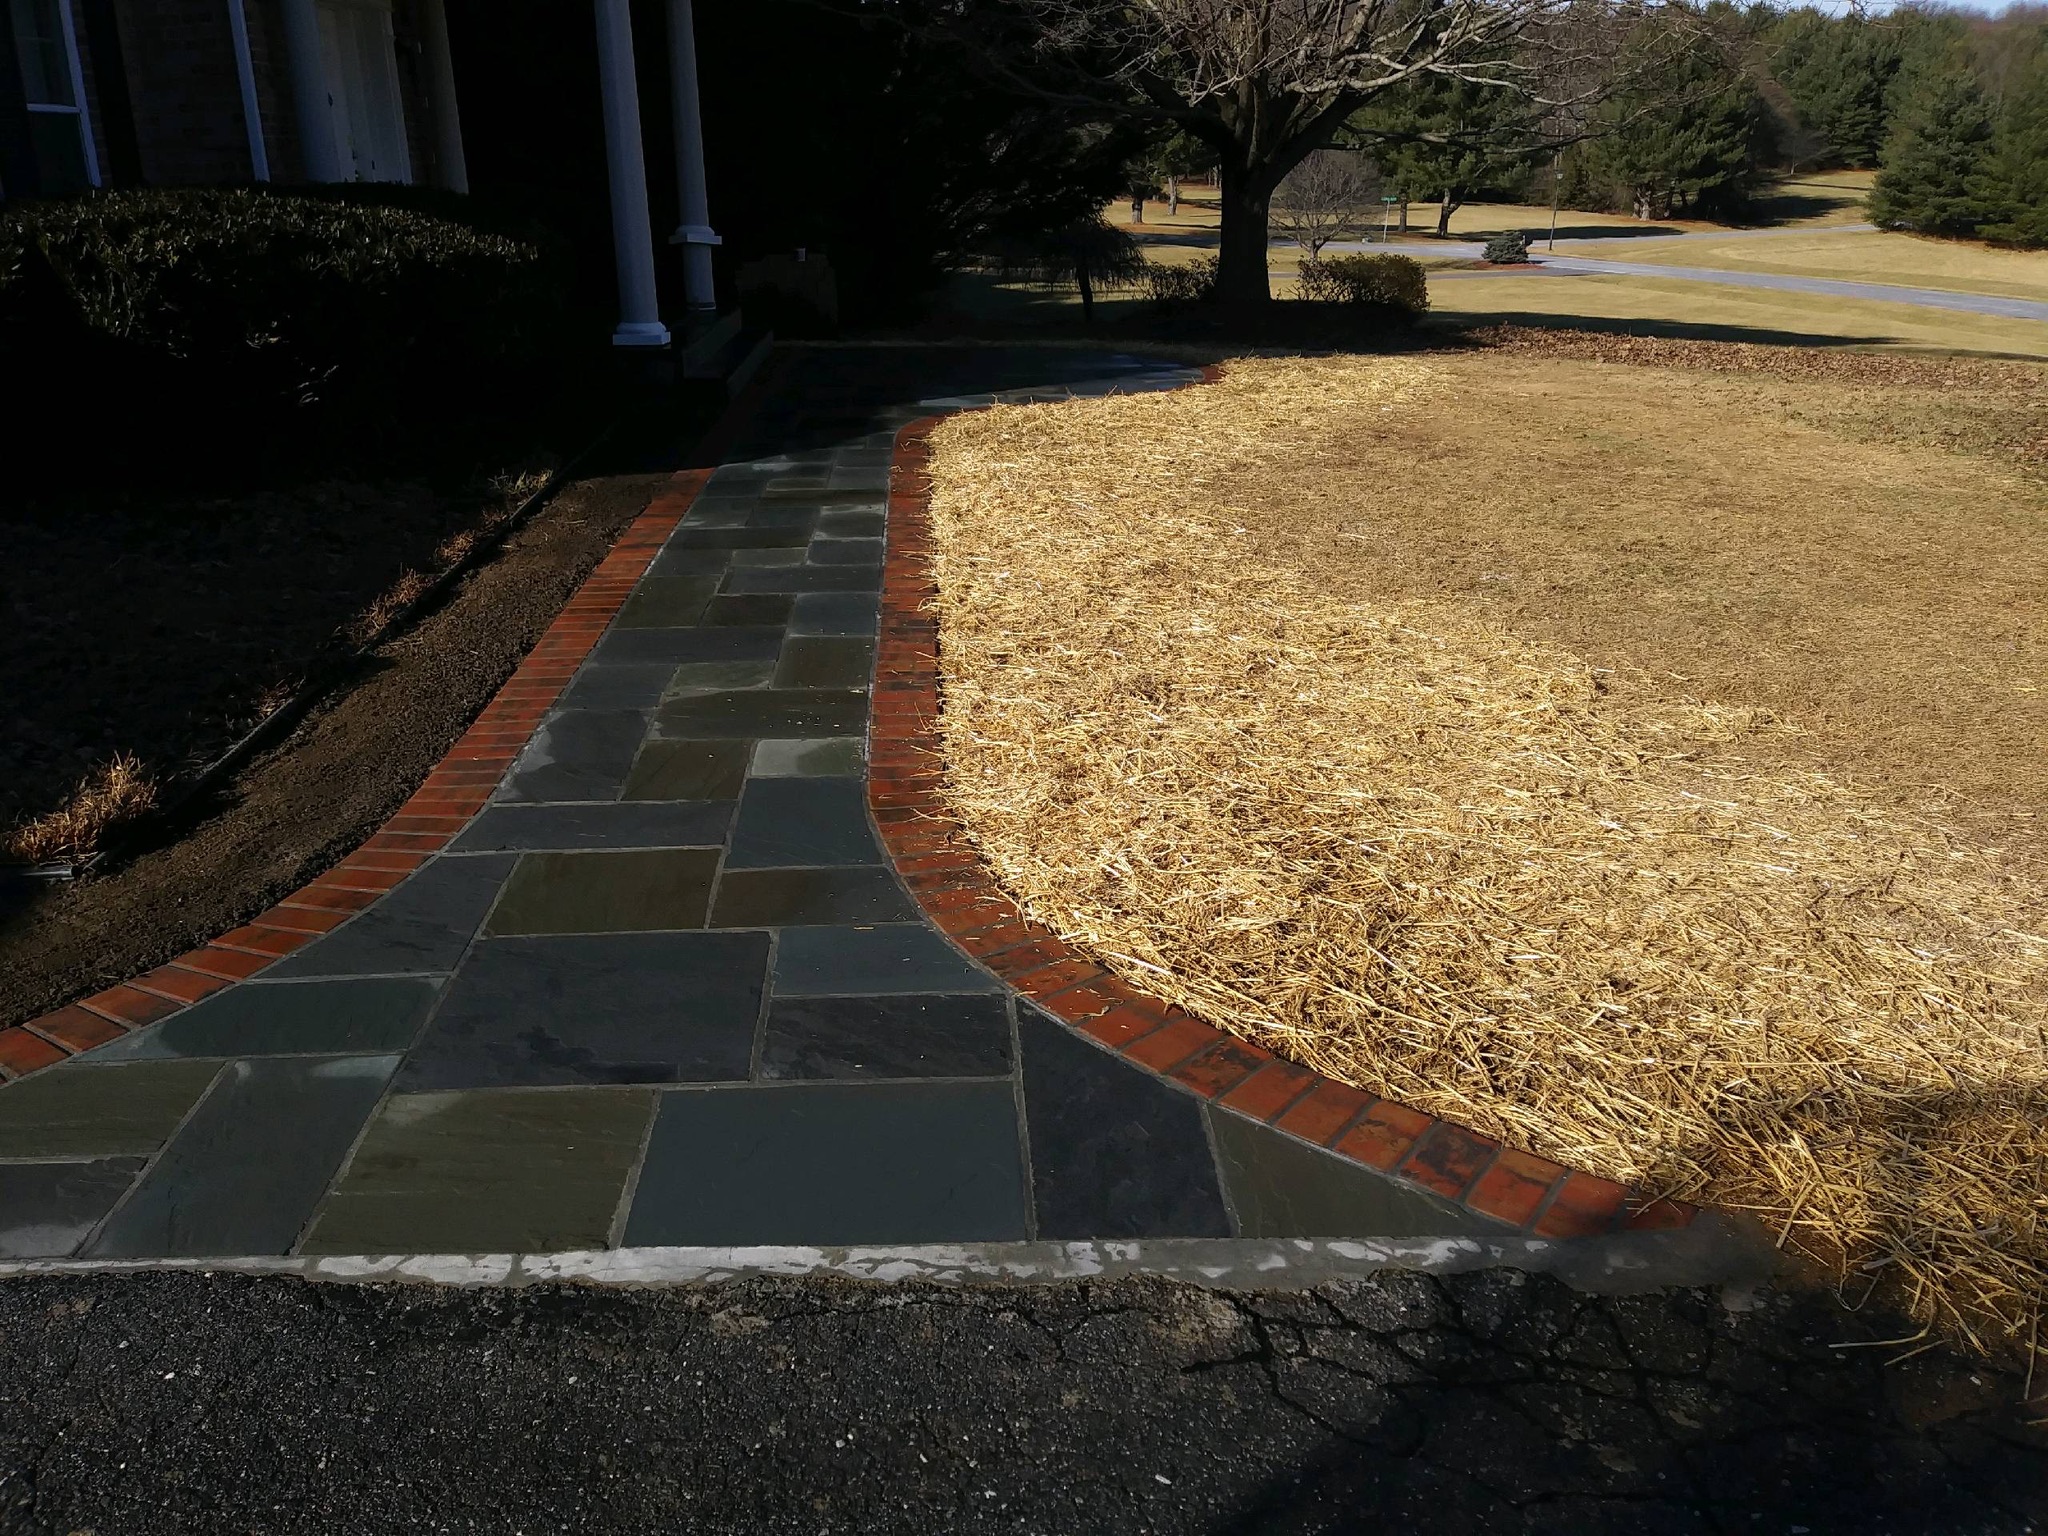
[654, 979]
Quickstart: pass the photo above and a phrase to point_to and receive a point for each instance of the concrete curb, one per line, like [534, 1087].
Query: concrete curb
[1623, 1264]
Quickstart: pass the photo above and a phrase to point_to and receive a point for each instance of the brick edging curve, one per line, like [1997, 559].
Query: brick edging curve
[936, 860]
[944, 870]
[456, 789]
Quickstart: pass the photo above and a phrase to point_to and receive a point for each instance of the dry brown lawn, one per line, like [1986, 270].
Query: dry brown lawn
[1686, 306]
[1632, 750]
[1741, 538]
[1868, 256]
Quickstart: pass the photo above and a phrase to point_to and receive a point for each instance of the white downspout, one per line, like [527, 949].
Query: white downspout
[451, 169]
[322, 160]
[694, 234]
[252, 111]
[632, 228]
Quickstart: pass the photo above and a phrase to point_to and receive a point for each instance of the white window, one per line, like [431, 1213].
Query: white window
[363, 103]
[46, 43]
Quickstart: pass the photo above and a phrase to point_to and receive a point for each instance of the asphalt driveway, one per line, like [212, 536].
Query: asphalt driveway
[1491, 1402]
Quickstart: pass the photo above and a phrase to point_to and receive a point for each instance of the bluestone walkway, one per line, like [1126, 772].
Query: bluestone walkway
[665, 990]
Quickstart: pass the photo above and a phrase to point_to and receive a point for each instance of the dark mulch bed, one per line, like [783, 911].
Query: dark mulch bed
[172, 655]
[162, 628]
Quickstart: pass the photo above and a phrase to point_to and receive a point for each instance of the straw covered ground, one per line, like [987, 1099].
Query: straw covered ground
[1228, 707]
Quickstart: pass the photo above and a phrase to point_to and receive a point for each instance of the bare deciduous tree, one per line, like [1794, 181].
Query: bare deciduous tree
[1333, 194]
[1264, 83]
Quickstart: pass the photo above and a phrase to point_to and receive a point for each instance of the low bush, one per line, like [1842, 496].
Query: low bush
[1193, 284]
[1384, 281]
[271, 324]
[1508, 249]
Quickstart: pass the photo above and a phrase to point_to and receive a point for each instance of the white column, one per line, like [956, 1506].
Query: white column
[694, 234]
[320, 160]
[632, 229]
[451, 170]
[245, 75]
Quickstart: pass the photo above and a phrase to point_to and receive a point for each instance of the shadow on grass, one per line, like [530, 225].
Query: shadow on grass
[838, 395]
[1789, 207]
[1537, 227]
[978, 307]
[1676, 330]
[1418, 240]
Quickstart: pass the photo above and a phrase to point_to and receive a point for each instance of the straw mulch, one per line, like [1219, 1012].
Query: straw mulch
[1431, 859]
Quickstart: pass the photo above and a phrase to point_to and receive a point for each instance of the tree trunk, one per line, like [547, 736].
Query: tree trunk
[1087, 293]
[1443, 216]
[1246, 196]
[1404, 215]
[1172, 196]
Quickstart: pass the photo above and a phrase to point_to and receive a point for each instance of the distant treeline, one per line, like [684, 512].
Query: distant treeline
[1964, 143]
[1952, 110]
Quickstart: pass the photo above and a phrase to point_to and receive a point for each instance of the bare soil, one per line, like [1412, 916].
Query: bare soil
[174, 665]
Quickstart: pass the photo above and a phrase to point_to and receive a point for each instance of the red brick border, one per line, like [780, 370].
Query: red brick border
[454, 791]
[945, 871]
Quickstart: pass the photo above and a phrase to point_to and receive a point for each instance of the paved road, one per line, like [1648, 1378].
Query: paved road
[1889, 293]
[1557, 265]
[1735, 234]
[1649, 240]
[1487, 1403]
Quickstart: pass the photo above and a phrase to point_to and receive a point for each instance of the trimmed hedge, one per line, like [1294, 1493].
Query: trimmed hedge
[1383, 281]
[1192, 284]
[286, 326]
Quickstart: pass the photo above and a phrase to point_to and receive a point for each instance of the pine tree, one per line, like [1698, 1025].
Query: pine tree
[2015, 180]
[1447, 139]
[1936, 163]
[1690, 136]
[1837, 71]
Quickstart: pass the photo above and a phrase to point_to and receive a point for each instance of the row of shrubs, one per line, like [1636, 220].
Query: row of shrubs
[279, 328]
[1393, 285]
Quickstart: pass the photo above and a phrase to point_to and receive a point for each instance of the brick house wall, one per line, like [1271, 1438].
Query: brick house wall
[273, 90]
[180, 60]
[412, 91]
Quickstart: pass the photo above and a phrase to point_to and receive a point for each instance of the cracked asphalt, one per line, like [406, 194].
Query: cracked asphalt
[1492, 1402]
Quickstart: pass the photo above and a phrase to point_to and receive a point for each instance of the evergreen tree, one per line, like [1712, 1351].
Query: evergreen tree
[1837, 71]
[1170, 159]
[2014, 181]
[1689, 135]
[1929, 43]
[1448, 139]
[1938, 159]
